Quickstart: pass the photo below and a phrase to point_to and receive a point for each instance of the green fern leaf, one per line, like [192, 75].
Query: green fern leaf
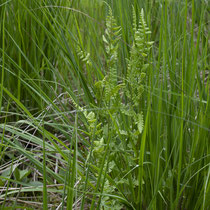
[140, 123]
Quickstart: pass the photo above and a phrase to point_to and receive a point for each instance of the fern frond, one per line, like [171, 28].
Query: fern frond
[90, 117]
[138, 52]
[134, 20]
[111, 38]
[84, 56]
[76, 105]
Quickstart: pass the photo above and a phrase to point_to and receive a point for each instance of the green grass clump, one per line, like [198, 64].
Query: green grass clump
[104, 105]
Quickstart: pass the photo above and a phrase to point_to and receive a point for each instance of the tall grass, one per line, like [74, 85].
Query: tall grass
[65, 145]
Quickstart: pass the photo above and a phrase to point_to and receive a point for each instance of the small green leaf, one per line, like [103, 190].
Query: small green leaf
[91, 116]
[105, 40]
[122, 132]
[36, 184]
[24, 173]
[17, 174]
[140, 123]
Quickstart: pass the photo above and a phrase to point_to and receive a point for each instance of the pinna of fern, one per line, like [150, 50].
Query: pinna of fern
[84, 56]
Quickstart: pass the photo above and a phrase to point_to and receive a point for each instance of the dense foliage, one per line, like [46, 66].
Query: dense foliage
[104, 105]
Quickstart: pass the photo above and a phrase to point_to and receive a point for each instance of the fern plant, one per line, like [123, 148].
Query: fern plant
[110, 94]
[137, 66]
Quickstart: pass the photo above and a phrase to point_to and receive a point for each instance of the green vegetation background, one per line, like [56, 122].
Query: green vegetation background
[71, 135]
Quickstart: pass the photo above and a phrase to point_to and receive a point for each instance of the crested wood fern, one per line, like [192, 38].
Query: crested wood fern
[110, 94]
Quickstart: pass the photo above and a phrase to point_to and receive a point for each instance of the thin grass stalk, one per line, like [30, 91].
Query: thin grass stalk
[73, 169]
[182, 109]
[139, 200]
[105, 156]
[88, 165]
[3, 57]
[103, 183]
[206, 190]
[45, 207]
